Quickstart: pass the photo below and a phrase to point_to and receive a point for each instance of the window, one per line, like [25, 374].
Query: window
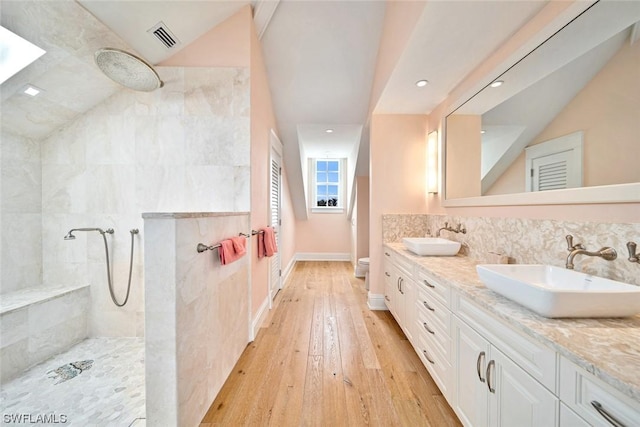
[327, 184]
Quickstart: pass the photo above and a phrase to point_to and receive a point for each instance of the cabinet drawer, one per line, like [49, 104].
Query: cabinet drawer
[387, 266]
[434, 287]
[581, 391]
[437, 365]
[536, 359]
[433, 333]
[404, 265]
[434, 311]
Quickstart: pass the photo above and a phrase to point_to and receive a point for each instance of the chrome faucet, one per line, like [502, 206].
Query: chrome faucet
[633, 256]
[446, 227]
[606, 253]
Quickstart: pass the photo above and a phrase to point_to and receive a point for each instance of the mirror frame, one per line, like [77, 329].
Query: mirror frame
[604, 194]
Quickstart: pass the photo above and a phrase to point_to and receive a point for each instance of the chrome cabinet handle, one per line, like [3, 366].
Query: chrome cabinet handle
[387, 298]
[428, 307]
[491, 364]
[478, 363]
[427, 356]
[606, 415]
[387, 274]
[424, 324]
[428, 284]
[401, 281]
[387, 254]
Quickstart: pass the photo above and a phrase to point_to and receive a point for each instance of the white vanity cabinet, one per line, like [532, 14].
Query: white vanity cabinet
[491, 390]
[432, 330]
[400, 290]
[595, 402]
[389, 274]
[491, 373]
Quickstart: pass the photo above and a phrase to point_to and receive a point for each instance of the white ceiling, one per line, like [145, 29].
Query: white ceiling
[320, 57]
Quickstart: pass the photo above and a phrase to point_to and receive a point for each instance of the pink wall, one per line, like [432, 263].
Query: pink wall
[362, 222]
[323, 233]
[397, 178]
[534, 32]
[226, 45]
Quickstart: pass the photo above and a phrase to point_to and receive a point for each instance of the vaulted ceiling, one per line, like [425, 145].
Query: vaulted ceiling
[321, 59]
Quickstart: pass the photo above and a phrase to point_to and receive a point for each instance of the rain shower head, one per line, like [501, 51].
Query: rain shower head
[127, 69]
[69, 236]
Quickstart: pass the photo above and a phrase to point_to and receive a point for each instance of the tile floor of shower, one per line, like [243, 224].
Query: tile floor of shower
[110, 393]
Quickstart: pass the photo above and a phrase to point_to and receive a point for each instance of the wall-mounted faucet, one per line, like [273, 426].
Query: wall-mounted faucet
[446, 227]
[606, 253]
[633, 256]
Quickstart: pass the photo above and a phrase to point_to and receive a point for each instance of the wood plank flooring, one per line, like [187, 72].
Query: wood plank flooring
[324, 359]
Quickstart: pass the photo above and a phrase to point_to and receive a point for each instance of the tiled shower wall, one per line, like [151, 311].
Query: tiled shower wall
[20, 213]
[184, 147]
[527, 241]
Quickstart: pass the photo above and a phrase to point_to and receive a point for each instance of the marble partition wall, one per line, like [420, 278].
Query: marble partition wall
[527, 241]
[20, 213]
[197, 313]
[184, 147]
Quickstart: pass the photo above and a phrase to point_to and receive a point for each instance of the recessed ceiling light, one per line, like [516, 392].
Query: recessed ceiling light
[329, 131]
[32, 90]
[497, 83]
[422, 83]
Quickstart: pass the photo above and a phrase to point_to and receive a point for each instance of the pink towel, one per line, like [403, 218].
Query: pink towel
[239, 245]
[227, 252]
[260, 245]
[269, 241]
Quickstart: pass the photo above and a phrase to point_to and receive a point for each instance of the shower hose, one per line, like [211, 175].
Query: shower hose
[106, 252]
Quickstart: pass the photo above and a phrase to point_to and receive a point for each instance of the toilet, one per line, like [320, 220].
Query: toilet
[362, 270]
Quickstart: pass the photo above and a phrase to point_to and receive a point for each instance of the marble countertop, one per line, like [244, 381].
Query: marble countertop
[183, 215]
[608, 348]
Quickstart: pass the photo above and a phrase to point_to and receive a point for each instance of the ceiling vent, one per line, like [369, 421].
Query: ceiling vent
[162, 33]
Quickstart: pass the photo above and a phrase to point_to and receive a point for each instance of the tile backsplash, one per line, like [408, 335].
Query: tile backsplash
[527, 241]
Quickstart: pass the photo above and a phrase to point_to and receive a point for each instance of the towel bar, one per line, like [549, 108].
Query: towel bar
[202, 247]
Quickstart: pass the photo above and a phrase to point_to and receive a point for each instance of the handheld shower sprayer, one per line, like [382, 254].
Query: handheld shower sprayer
[133, 232]
[70, 235]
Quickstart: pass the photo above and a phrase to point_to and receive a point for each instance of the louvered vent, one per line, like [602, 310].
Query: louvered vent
[166, 37]
[553, 176]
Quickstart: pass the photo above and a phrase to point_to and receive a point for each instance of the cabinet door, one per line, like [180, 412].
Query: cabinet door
[472, 355]
[408, 291]
[515, 398]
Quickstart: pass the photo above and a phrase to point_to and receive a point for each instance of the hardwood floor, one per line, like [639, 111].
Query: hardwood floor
[324, 359]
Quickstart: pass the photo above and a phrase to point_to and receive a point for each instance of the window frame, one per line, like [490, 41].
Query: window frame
[314, 186]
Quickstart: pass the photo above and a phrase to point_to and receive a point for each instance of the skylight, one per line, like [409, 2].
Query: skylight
[15, 53]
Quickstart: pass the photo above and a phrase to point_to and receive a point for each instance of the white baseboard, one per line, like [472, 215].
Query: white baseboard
[288, 269]
[322, 256]
[376, 302]
[260, 317]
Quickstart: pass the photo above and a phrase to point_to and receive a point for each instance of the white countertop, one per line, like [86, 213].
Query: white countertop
[608, 348]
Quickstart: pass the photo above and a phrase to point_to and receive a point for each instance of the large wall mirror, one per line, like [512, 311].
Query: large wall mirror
[560, 126]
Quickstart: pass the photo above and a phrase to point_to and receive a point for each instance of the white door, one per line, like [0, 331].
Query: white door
[275, 268]
[472, 357]
[517, 399]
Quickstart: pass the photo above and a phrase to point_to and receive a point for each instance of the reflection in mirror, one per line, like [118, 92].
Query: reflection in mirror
[567, 115]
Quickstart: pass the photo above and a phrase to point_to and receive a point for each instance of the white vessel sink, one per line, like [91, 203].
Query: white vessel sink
[431, 246]
[558, 292]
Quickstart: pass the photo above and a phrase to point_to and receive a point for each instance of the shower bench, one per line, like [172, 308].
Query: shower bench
[39, 322]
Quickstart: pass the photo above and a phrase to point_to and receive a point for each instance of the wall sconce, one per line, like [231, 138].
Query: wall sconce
[432, 163]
